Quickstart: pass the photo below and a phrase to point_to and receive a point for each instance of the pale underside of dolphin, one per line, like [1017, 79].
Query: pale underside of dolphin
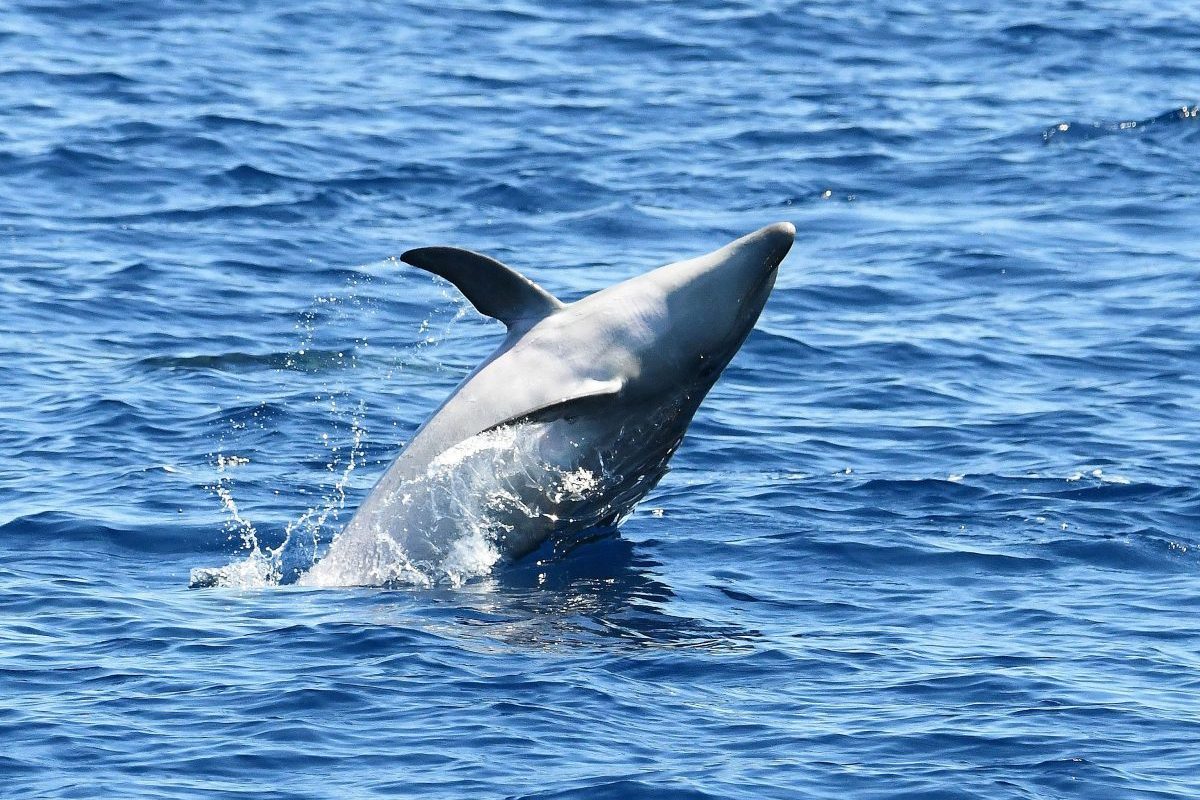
[578, 410]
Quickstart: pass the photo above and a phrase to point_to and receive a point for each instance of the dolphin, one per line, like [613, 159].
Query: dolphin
[576, 413]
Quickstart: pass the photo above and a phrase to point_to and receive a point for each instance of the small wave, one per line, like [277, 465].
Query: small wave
[99, 81]
[225, 122]
[928, 491]
[1143, 551]
[131, 275]
[860, 295]
[889, 558]
[653, 43]
[248, 177]
[240, 416]
[73, 162]
[401, 178]
[69, 530]
[99, 12]
[1082, 132]
[1117, 487]
[537, 195]
[165, 141]
[296, 210]
[307, 360]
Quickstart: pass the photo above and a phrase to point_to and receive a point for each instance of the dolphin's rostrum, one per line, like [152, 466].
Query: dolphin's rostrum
[579, 408]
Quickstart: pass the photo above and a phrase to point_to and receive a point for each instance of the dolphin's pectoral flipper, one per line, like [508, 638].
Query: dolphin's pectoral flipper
[585, 400]
[494, 289]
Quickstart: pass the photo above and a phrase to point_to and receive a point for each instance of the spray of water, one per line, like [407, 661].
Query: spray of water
[261, 565]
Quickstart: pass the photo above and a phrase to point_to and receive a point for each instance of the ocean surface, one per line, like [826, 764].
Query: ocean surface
[934, 534]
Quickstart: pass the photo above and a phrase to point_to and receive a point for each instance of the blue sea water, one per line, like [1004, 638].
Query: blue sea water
[933, 535]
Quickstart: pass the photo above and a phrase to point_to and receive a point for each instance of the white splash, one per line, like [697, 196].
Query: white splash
[262, 565]
[492, 494]
[236, 523]
[1100, 475]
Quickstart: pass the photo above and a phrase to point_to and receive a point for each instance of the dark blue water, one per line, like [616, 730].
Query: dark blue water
[934, 534]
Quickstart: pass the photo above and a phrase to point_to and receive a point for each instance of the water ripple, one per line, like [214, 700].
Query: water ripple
[932, 535]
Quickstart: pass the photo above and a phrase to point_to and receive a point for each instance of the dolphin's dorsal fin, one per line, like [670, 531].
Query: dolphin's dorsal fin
[494, 289]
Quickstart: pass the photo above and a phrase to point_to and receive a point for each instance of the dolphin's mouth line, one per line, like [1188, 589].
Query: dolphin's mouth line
[770, 274]
[776, 258]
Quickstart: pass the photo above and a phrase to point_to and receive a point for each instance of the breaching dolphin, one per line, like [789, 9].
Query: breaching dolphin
[602, 390]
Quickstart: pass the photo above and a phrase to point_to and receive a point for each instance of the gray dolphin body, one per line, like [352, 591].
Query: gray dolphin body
[603, 389]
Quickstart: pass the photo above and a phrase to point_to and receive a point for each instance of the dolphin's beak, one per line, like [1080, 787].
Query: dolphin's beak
[778, 238]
